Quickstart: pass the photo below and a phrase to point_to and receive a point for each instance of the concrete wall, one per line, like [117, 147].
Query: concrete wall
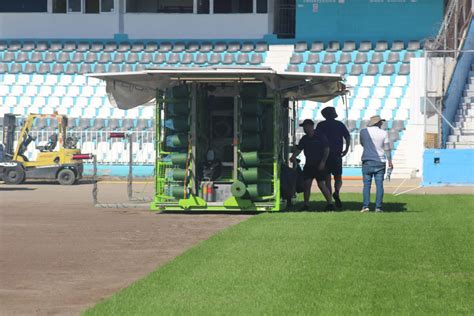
[448, 166]
[135, 25]
[329, 20]
[47, 25]
[196, 26]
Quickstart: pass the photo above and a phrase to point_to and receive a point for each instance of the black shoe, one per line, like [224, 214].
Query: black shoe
[329, 208]
[337, 199]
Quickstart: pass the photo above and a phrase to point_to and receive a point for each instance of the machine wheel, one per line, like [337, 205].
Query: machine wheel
[14, 175]
[66, 177]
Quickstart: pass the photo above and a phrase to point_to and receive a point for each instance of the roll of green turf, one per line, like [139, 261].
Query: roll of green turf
[250, 159]
[180, 91]
[251, 107]
[250, 142]
[253, 90]
[178, 192]
[179, 159]
[256, 191]
[250, 175]
[179, 174]
[179, 124]
[177, 141]
[251, 124]
[178, 108]
[238, 189]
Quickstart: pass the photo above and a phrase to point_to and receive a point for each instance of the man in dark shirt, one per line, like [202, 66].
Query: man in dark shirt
[336, 132]
[316, 150]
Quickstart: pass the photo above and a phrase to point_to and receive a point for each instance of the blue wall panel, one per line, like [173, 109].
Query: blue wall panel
[340, 20]
[448, 166]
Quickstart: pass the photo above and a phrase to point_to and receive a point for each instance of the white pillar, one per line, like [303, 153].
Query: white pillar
[211, 6]
[254, 9]
[195, 6]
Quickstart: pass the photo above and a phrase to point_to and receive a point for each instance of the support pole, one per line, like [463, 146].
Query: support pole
[130, 167]
[95, 189]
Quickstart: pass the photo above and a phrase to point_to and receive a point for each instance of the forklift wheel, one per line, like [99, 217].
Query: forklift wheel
[66, 177]
[14, 175]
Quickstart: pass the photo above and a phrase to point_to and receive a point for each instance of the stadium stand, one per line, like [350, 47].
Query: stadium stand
[377, 76]
[48, 76]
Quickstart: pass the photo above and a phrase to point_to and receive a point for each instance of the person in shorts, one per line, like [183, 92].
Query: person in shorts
[337, 134]
[315, 147]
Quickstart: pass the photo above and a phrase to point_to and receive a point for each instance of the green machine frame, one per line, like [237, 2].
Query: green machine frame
[191, 199]
[264, 127]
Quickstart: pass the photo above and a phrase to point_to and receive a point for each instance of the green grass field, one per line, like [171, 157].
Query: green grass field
[416, 259]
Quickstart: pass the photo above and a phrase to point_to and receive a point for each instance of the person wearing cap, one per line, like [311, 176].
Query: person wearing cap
[336, 132]
[316, 150]
[376, 154]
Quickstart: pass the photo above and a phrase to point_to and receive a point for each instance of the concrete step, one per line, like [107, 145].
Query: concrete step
[466, 105]
[462, 132]
[467, 100]
[460, 145]
[468, 93]
[281, 48]
[461, 138]
[465, 112]
[469, 86]
[463, 118]
[465, 125]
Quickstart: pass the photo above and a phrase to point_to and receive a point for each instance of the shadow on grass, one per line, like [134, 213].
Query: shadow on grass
[347, 206]
[214, 212]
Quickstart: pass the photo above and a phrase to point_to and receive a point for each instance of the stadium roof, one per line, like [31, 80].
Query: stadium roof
[130, 89]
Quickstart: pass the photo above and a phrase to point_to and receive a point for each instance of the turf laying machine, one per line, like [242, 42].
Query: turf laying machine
[223, 134]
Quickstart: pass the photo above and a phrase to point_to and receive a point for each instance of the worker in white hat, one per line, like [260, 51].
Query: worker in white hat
[376, 154]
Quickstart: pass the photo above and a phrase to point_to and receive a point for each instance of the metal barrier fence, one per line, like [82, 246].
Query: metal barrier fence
[107, 150]
[92, 142]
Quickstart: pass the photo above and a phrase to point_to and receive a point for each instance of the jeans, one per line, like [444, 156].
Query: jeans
[375, 169]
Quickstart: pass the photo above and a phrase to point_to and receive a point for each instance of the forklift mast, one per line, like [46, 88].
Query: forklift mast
[9, 126]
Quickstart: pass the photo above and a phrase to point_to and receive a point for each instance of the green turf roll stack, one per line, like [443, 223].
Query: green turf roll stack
[250, 142]
[252, 108]
[179, 174]
[178, 108]
[251, 124]
[250, 159]
[177, 141]
[177, 191]
[250, 175]
[238, 189]
[256, 191]
[179, 159]
[179, 124]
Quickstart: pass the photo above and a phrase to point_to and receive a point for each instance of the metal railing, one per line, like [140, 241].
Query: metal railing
[457, 17]
[88, 142]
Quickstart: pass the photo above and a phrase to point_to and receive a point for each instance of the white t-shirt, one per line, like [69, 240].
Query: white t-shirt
[374, 140]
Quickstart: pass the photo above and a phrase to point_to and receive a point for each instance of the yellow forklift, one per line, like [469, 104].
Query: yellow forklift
[58, 159]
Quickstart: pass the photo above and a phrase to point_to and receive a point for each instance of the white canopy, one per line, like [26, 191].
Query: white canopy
[127, 90]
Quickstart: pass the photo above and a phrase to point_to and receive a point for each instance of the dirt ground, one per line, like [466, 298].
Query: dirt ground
[59, 255]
